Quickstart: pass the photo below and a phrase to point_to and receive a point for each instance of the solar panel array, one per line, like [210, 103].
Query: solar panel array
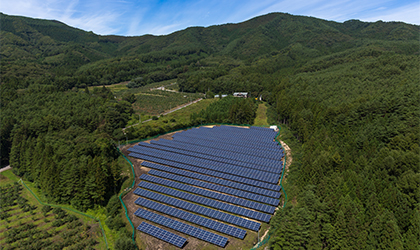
[207, 202]
[206, 171]
[210, 194]
[162, 234]
[233, 136]
[236, 157]
[213, 142]
[209, 177]
[208, 212]
[232, 184]
[182, 227]
[208, 164]
[273, 168]
[218, 188]
[196, 219]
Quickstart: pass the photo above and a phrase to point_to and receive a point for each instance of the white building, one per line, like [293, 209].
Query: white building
[241, 94]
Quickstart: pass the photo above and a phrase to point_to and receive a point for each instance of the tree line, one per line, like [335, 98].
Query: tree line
[63, 141]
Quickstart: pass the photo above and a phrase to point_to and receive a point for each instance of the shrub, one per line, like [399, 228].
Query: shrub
[124, 244]
[46, 209]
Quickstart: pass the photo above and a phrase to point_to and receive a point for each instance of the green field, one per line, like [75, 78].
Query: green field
[173, 121]
[151, 101]
[261, 119]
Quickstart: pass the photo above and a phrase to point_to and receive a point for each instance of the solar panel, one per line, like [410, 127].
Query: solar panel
[260, 191]
[262, 152]
[246, 140]
[182, 227]
[162, 234]
[261, 176]
[272, 167]
[208, 212]
[207, 202]
[206, 171]
[210, 194]
[196, 219]
[218, 188]
[253, 159]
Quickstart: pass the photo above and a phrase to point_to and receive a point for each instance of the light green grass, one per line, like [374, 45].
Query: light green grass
[125, 172]
[7, 177]
[182, 115]
[261, 118]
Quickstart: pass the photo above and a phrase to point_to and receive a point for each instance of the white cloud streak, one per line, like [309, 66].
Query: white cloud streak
[409, 13]
[138, 17]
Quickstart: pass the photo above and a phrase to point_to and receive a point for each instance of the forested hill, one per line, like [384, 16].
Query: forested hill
[47, 49]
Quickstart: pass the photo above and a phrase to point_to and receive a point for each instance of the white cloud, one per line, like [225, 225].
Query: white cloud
[408, 14]
[164, 29]
[137, 17]
[99, 24]
[70, 12]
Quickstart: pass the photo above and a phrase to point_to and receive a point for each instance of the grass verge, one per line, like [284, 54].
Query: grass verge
[261, 118]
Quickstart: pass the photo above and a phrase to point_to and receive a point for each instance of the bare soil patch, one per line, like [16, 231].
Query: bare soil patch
[289, 157]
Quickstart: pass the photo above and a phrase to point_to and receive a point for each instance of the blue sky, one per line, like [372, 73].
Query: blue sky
[140, 17]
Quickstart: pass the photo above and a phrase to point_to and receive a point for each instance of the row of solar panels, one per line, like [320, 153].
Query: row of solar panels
[244, 134]
[193, 218]
[227, 147]
[229, 177]
[257, 160]
[182, 227]
[217, 160]
[205, 153]
[266, 132]
[238, 135]
[207, 164]
[218, 188]
[207, 202]
[162, 234]
[208, 212]
[234, 136]
[214, 195]
[256, 190]
[272, 148]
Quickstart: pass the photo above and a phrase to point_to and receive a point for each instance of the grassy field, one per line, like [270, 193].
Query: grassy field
[151, 101]
[261, 119]
[26, 224]
[181, 116]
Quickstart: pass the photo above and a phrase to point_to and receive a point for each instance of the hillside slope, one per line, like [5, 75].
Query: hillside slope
[34, 48]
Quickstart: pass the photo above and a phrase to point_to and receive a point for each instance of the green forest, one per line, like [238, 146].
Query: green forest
[347, 95]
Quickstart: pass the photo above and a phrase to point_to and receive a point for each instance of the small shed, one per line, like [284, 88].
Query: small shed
[241, 94]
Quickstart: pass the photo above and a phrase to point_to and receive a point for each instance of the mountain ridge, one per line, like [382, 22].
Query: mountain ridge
[36, 47]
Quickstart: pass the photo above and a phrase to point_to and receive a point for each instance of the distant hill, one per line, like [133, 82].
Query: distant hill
[32, 48]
